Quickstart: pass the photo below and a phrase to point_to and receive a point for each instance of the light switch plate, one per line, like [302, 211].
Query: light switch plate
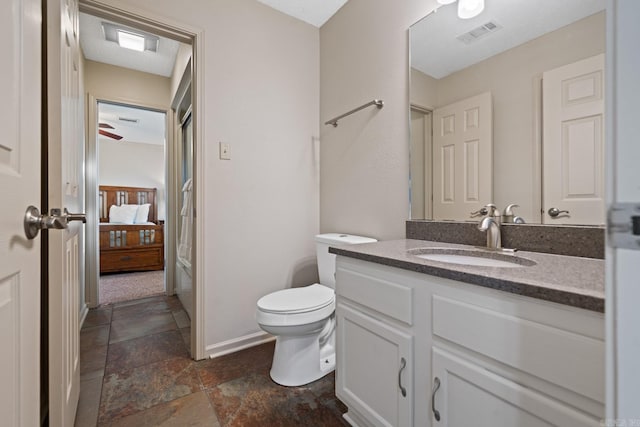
[225, 151]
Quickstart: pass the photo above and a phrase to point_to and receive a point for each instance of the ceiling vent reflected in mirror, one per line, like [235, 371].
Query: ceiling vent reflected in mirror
[478, 33]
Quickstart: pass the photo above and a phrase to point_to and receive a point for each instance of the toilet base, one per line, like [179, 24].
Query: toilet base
[299, 360]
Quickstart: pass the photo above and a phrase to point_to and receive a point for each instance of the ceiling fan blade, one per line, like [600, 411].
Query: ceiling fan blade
[105, 126]
[109, 134]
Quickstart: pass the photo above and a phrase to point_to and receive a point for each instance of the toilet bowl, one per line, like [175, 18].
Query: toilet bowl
[303, 320]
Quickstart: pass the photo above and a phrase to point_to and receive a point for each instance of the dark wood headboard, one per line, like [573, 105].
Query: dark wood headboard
[113, 195]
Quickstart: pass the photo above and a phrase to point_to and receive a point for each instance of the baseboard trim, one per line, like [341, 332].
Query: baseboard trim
[83, 315]
[237, 344]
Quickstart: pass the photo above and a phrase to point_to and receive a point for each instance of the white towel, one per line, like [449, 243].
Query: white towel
[184, 248]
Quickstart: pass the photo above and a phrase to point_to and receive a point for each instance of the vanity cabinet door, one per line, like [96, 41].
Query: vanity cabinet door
[374, 370]
[471, 395]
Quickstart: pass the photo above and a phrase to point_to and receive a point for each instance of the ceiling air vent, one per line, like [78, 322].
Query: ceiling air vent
[480, 32]
[127, 119]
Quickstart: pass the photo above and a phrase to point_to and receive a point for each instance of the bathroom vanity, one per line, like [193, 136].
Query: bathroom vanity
[431, 343]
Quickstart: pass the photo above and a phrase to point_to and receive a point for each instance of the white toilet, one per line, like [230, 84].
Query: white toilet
[303, 320]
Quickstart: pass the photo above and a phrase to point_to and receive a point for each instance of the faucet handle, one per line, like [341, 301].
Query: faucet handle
[493, 210]
[509, 209]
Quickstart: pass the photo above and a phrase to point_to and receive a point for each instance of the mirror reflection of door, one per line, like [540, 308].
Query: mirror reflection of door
[462, 157]
[573, 143]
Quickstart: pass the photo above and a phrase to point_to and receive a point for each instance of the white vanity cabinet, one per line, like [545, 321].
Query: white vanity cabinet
[376, 383]
[375, 338]
[500, 359]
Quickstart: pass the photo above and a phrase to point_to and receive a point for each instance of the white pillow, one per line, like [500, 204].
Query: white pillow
[142, 215]
[124, 214]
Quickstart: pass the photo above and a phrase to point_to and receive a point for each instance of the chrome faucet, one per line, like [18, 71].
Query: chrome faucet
[491, 225]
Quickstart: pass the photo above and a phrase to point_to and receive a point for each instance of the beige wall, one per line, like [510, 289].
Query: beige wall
[365, 160]
[133, 87]
[261, 96]
[424, 90]
[510, 78]
[133, 165]
[365, 167]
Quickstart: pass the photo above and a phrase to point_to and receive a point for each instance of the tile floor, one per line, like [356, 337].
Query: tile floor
[136, 371]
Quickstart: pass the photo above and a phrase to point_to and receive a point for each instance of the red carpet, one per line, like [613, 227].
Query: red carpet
[128, 286]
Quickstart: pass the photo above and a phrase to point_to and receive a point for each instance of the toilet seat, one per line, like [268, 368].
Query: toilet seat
[297, 300]
[296, 306]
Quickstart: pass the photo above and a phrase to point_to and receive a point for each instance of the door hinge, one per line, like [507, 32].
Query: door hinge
[623, 225]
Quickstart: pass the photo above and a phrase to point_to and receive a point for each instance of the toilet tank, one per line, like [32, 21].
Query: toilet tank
[327, 261]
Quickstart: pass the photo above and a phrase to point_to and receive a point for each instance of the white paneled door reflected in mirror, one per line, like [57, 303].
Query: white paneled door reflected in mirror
[508, 108]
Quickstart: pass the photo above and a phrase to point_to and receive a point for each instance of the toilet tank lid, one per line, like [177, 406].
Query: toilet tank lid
[343, 239]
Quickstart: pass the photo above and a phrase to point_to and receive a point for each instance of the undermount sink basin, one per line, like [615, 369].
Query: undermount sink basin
[470, 257]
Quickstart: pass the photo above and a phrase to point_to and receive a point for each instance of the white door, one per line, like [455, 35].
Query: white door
[467, 394]
[373, 385]
[573, 142]
[20, 29]
[66, 188]
[462, 157]
[623, 178]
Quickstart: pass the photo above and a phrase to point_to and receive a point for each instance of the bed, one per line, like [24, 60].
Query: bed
[137, 246]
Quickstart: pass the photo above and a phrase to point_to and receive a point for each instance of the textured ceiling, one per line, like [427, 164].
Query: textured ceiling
[150, 128]
[314, 12]
[96, 48]
[436, 52]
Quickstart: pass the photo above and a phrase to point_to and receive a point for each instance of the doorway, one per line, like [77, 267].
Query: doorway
[131, 165]
[102, 84]
[421, 194]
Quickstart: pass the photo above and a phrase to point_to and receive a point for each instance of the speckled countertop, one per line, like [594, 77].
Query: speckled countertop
[568, 280]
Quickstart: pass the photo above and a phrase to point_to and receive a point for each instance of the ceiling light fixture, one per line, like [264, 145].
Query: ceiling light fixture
[129, 38]
[466, 8]
[130, 41]
[469, 8]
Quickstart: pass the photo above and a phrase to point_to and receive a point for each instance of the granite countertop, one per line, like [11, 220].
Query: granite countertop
[568, 280]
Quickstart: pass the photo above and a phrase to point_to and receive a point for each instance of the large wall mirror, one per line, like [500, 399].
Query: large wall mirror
[508, 108]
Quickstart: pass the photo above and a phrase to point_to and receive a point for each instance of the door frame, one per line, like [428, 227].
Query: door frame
[427, 160]
[166, 27]
[621, 284]
[92, 171]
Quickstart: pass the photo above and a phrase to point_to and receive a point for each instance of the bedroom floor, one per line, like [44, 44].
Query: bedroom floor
[120, 287]
[136, 370]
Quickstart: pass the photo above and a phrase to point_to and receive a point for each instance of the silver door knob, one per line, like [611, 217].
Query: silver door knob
[34, 221]
[554, 212]
[479, 212]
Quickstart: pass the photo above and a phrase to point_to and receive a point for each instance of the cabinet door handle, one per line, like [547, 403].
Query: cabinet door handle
[436, 386]
[403, 364]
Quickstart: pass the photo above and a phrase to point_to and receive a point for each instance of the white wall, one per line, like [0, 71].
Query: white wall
[261, 95]
[365, 160]
[133, 165]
